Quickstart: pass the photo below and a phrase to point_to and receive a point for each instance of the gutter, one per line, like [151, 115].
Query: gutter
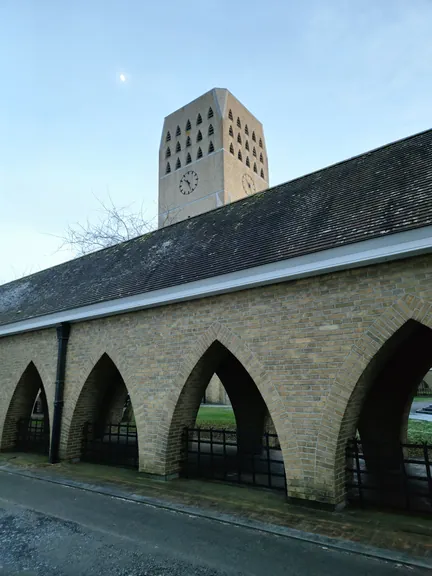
[63, 332]
[374, 251]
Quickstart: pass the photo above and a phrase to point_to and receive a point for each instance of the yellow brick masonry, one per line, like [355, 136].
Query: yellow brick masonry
[305, 343]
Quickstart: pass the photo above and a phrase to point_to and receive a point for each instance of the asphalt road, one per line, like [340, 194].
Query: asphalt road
[48, 529]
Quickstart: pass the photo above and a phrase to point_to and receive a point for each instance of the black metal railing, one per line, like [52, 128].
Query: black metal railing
[379, 475]
[32, 436]
[112, 444]
[217, 454]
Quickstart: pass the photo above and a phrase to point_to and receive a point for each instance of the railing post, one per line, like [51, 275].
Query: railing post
[268, 460]
[358, 472]
[428, 469]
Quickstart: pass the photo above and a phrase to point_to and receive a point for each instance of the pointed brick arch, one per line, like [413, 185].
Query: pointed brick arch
[97, 377]
[349, 389]
[21, 403]
[271, 396]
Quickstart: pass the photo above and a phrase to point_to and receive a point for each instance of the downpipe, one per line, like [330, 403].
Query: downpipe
[63, 331]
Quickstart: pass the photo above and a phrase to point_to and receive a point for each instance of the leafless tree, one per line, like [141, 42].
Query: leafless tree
[114, 225]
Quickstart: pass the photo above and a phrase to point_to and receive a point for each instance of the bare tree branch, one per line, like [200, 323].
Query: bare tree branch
[115, 224]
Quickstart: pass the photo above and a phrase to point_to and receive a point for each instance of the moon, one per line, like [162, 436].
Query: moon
[122, 78]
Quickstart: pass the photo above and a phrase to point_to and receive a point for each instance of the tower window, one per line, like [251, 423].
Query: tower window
[168, 168]
[247, 161]
[262, 173]
[168, 136]
[168, 152]
[210, 113]
[261, 158]
[199, 136]
[246, 129]
[239, 155]
[199, 119]
[254, 151]
[260, 143]
[253, 136]
[178, 131]
[178, 147]
[188, 142]
[247, 145]
[239, 138]
[255, 168]
[199, 154]
[178, 164]
[231, 132]
[231, 148]
[188, 159]
[211, 147]
[230, 115]
[211, 130]
[188, 126]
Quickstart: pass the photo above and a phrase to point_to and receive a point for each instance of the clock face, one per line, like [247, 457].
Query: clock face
[248, 184]
[188, 182]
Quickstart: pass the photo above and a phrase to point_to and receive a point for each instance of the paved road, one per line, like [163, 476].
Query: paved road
[47, 529]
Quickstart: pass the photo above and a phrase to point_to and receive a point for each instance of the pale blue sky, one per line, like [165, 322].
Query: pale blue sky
[328, 80]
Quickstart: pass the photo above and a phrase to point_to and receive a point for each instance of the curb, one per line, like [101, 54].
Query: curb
[324, 541]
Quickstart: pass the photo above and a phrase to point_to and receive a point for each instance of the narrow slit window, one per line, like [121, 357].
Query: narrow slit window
[255, 168]
[231, 132]
[254, 151]
[168, 136]
[210, 130]
[188, 159]
[239, 139]
[247, 161]
[261, 158]
[246, 130]
[199, 119]
[178, 131]
[231, 148]
[260, 143]
[199, 154]
[230, 115]
[247, 145]
[178, 164]
[168, 168]
[239, 155]
[168, 152]
[188, 125]
[210, 113]
[199, 136]
[211, 148]
[238, 122]
[253, 136]
[262, 173]
[188, 142]
[178, 147]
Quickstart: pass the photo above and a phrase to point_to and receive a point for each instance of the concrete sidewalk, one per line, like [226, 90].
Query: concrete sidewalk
[411, 535]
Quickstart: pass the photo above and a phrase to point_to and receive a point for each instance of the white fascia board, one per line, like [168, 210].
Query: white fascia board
[386, 248]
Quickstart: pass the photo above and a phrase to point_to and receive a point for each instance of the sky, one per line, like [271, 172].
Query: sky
[328, 80]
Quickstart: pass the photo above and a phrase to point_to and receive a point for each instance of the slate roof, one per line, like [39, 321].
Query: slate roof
[381, 192]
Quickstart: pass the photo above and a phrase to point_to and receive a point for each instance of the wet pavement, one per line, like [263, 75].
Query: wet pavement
[49, 529]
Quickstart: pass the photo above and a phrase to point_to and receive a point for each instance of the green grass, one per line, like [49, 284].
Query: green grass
[422, 399]
[419, 431]
[215, 417]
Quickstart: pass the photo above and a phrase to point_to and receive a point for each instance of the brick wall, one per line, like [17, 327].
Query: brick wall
[305, 344]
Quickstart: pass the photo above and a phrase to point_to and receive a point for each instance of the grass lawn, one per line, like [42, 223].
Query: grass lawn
[422, 399]
[419, 431]
[215, 417]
